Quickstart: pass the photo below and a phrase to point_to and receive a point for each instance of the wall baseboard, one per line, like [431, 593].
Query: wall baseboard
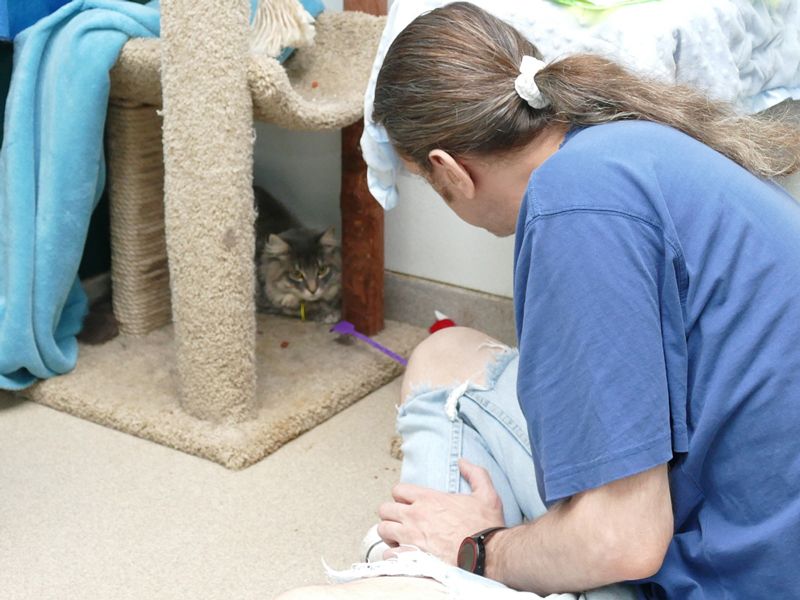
[412, 300]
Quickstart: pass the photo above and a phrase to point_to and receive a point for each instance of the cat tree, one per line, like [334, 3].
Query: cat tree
[209, 100]
[182, 236]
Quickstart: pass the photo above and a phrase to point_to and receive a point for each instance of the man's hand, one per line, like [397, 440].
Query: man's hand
[437, 522]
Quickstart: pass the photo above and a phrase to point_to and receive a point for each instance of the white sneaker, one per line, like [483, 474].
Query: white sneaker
[372, 546]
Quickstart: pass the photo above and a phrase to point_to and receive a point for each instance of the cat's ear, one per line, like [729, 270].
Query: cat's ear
[275, 245]
[328, 238]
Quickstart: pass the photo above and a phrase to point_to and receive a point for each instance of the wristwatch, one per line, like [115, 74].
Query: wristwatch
[472, 552]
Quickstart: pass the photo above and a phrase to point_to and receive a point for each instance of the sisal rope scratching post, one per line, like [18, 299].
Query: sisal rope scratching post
[136, 201]
[208, 161]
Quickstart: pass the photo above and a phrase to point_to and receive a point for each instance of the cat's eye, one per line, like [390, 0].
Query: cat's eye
[323, 270]
[297, 275]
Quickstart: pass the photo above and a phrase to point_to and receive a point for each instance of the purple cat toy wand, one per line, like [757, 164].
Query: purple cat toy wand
[347, 328]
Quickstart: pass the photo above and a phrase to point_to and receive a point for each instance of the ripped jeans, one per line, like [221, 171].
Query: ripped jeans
[484, 424]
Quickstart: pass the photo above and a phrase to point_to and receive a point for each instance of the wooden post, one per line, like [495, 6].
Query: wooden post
[362, 240]
[372, 7]
[362, 223]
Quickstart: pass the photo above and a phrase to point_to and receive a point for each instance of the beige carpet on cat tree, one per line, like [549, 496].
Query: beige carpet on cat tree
[219, 382]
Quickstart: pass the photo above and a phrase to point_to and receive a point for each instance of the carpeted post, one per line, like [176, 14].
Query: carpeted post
[208, 159]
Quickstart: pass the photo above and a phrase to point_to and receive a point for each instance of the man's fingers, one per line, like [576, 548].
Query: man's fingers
[482, 487]
[390, 532]
[407, 493]
[392, 511]
[477, 477]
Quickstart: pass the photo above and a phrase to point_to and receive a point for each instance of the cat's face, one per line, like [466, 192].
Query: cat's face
[302, 263]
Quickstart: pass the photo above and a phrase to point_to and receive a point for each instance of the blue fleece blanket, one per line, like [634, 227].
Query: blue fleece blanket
[52, 172]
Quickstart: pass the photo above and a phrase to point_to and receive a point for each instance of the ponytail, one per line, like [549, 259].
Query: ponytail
[448, 81]
[588, 90]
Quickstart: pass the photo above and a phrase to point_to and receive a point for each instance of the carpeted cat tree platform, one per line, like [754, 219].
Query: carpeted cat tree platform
[220, 381]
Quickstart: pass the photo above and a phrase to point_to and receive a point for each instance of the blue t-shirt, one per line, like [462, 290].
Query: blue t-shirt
[657, 298]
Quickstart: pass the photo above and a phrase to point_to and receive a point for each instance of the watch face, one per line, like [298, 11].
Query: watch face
[468, 555]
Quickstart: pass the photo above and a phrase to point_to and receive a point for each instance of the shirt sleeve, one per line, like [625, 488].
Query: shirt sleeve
[592, 378]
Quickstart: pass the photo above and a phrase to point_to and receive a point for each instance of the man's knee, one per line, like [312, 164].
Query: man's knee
[450, 356]
[450, 342]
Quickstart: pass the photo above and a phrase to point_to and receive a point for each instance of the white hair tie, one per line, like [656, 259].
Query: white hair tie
[526, 86]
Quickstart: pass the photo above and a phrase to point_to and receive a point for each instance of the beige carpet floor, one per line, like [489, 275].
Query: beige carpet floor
[88, 512]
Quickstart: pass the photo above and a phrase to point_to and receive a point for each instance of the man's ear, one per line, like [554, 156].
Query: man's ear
[445, 168]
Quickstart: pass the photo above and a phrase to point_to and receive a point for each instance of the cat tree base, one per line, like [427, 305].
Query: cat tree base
[131, 384]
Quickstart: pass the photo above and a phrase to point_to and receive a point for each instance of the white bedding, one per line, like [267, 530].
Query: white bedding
[743, 51]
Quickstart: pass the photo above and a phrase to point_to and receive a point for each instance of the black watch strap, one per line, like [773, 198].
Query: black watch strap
[472, 552]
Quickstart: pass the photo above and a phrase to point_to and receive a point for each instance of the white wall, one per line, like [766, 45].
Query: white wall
[424, 238]
[302, 169]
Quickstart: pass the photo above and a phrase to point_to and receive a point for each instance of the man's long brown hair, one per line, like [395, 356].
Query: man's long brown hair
[448, 82]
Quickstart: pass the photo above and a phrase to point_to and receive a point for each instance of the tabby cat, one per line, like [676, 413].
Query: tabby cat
[298, 270]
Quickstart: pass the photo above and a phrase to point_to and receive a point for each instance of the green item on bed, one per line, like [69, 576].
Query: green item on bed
[599, 4]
